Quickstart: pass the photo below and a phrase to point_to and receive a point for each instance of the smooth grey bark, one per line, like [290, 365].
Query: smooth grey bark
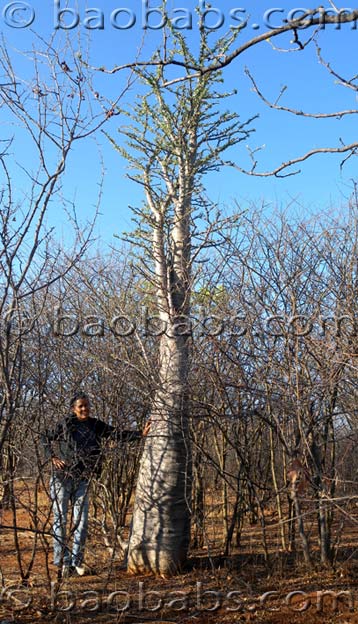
[161, 518]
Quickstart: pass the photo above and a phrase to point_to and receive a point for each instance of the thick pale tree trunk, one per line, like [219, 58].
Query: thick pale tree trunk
[160, 534]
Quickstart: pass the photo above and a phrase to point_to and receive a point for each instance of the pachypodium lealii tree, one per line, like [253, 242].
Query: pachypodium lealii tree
[176, 136]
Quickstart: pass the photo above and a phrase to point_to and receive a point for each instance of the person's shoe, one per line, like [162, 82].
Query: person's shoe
[67, 570]
[80, 570]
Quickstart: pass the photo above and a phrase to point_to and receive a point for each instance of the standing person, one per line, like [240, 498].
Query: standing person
[74, 447]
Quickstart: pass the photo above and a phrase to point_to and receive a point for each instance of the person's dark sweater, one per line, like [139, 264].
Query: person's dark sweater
[79, 444]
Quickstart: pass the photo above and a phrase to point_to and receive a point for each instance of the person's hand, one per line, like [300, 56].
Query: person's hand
[58, 463]
[146, 428]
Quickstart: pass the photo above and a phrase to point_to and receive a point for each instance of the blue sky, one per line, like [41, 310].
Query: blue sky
[321, 184]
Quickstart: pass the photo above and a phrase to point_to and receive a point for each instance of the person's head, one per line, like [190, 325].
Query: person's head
[80, 405]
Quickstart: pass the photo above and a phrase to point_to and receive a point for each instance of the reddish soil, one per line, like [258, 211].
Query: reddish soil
[213, 589]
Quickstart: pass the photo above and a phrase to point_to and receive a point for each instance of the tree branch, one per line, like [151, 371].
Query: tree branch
[294, 111]
[352, 148]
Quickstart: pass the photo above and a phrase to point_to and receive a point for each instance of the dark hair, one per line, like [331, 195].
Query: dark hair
[78, 396]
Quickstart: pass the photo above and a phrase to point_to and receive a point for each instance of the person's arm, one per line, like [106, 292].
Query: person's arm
[126, 435]
[47, 438]
[130, 436]
[146, 428]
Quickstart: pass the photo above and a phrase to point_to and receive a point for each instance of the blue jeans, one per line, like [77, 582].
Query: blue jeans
[64, 490]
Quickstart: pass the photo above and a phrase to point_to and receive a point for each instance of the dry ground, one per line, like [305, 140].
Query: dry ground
[213, 589]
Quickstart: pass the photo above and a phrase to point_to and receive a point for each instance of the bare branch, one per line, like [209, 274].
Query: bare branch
[294, 25]
[352, 148]
[294, 111]
[311, 18]
[342, 81]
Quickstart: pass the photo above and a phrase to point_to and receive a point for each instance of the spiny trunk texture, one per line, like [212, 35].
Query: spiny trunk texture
[161, 518]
